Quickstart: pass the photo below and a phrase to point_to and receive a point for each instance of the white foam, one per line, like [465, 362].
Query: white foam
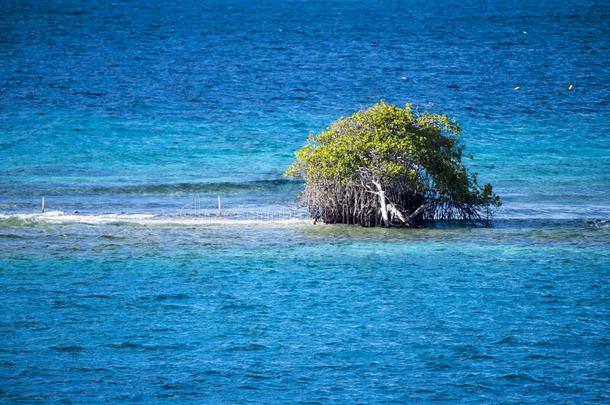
[151, 219]
[515, 212]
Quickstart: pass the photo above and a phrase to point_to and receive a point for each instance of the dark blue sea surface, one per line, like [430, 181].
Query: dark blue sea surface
[131, 118]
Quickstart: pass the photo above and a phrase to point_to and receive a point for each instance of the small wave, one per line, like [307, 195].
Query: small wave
[180, 188]
[189, 188]
[519, 377]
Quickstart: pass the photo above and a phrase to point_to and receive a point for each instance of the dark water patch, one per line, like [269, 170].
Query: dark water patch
[439, 365]
[248, 387]
[126, 398]
[179, 394]
[171, 297]
[162, 329]
[126, 345]
[146, 347]
[259, 377]
[89, 370]
[251, 347]
[543, 343]
[604, 342]
[176, 308]
[520, 378]
[69, 304]
[112, 237]
[507, 340]
[68, 349]
[10, 236]
[89, 94]
[466, 349]
[213, 373]
[470, 387]
[27, 324]
[176, 386]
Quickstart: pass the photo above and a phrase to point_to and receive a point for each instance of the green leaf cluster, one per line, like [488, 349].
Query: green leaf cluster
[390, 143]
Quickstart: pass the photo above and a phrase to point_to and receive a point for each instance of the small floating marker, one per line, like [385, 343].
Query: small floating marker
[42, 205]
[517, 88]
[571, 87]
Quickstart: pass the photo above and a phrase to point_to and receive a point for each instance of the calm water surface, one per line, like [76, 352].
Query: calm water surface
[149, 111]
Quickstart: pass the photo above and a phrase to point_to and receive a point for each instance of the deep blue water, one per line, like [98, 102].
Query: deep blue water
[147, 111]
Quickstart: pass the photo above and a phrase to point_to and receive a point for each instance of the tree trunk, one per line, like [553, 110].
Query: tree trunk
[382, 203]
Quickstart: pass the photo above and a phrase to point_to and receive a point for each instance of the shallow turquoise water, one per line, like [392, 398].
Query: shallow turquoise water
[132, 118]
[305, 313]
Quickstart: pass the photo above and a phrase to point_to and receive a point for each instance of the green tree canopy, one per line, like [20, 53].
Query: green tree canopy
[390, 166]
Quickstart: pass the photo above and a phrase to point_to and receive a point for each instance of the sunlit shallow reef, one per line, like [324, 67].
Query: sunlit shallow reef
[253, 312]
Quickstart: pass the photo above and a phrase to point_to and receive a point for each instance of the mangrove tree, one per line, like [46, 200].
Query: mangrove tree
[390, 166]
